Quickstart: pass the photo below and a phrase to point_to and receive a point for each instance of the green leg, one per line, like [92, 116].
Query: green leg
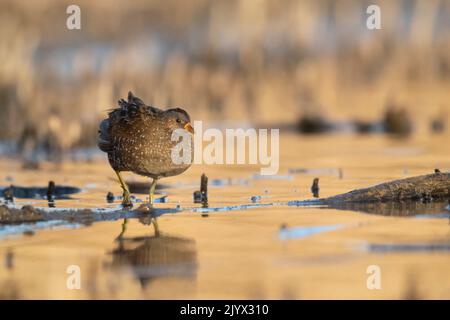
[124, 228]
[126, 201]
[151, 194]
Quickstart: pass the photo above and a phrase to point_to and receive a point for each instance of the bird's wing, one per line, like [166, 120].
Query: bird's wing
[132, 108]
[115, 128]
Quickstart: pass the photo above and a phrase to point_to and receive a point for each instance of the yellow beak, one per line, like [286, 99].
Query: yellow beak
[189, 127]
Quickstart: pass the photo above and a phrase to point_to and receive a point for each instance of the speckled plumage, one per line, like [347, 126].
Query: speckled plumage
[137, 138]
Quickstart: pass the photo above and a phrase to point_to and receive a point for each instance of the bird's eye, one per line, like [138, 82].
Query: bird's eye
[178, 120]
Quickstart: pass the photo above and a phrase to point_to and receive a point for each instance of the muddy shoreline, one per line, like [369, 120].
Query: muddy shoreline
[424, 188]
[426, 193]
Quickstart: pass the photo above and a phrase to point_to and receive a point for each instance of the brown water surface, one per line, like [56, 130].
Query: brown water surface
[270, 250]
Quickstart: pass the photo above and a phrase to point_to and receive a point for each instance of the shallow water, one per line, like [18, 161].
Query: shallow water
[237, 247]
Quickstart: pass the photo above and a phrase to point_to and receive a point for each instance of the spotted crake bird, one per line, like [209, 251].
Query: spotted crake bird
[137, 138]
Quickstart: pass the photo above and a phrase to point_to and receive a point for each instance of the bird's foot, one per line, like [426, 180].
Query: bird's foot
[127, 204]
[126, 201]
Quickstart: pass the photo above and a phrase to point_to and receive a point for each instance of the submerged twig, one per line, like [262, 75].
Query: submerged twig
[315, 188]
[51, 194]
[202, 195]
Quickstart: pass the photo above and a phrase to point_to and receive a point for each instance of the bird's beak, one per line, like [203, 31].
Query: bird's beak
[189, 127]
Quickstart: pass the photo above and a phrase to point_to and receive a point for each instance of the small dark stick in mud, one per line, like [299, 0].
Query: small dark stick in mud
[110, 197]
[204, 187]
[8, 194]
[315, 188]
[202, 195]
[51, 194]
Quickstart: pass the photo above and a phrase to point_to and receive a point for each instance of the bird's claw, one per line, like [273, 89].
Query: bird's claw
[127, 205]
[126, 202]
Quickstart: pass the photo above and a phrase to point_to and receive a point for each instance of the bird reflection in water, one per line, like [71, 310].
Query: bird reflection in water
[157, 256]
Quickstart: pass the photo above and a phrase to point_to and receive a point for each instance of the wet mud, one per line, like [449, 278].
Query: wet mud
[427, 194]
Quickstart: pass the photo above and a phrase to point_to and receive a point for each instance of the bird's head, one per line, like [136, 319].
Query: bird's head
[177, 118]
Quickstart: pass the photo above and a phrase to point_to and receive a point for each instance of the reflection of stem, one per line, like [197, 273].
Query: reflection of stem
[153, 220]
[124, 228]
[155, 225]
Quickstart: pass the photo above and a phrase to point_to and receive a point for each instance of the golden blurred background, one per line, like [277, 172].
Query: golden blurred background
[237, 62]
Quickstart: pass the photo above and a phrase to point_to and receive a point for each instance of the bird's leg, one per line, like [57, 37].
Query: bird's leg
[124, 228]
[126, 201]
[151, 194]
